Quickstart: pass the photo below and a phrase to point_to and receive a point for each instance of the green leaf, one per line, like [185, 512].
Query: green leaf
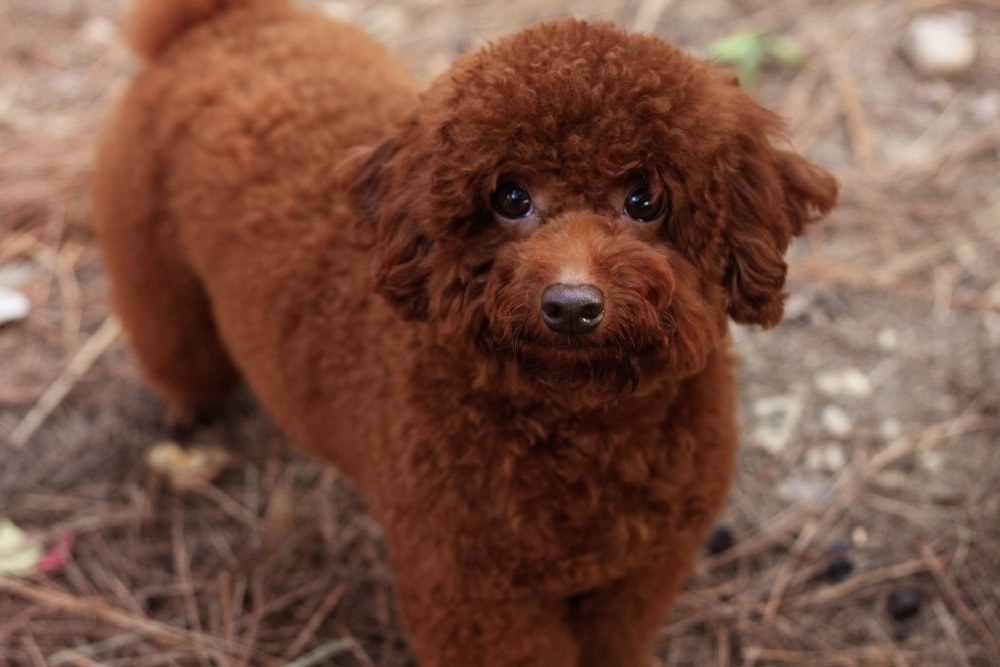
[748, 50]
[785, 50]
[741, 47]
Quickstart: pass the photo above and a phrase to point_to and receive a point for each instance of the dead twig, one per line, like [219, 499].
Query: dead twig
[869, 656]
[787, 570]
[128, 620]
[951, 633]
[91, 351]
[182, 565]
[324, 652]
[858, 582]
[77, 654]
[953, 597]
[858, 127]
[309, 629]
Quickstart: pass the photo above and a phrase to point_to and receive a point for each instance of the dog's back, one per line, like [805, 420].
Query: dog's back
[214, 193]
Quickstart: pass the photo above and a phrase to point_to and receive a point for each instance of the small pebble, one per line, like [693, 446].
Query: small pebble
[845, 382]
[932, 460]
[835, 421]
[827, 458]
[903, 604]
[802, 488]
[777, 417]
[890, 429]
[888, 339]
[14, 306]
[720, 540]
[100, 30]
[16, 274]
[940, 45]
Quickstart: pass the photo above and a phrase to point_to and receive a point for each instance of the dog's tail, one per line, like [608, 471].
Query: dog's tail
[153, 24]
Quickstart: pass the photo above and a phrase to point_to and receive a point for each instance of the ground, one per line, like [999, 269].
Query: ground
[870, 466]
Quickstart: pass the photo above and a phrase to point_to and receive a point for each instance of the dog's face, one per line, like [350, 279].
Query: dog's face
[587, 207]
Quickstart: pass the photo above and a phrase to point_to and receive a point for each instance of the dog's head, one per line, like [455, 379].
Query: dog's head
[587, 206]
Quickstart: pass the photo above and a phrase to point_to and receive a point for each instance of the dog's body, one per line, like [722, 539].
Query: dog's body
[544, 480]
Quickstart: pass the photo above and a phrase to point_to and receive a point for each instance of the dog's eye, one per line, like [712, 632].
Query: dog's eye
[512, 200]
[642, 205]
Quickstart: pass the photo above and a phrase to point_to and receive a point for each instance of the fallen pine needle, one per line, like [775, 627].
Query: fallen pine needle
[53, 396]
[321, 653]
[121, 618]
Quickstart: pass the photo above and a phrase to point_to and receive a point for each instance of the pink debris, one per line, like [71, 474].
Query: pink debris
[55, 558]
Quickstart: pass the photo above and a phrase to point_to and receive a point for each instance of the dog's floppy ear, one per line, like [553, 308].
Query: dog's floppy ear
[369, 176]
[773, 195]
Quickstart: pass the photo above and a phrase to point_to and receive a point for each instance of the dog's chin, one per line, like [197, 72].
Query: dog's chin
[589, 375]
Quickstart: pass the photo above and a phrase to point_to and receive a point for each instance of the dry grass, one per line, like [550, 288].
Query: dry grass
[277, 563]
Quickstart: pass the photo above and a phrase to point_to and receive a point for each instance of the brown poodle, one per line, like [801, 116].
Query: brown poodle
[499, 305]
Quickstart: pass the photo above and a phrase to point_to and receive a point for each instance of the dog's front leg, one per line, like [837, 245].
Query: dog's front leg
[467, 628]
[617, 625]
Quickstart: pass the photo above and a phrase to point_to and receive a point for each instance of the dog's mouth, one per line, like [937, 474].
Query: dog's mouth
[570, 361]
[568, 345]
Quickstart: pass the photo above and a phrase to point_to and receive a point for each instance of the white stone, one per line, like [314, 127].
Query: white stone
[888, 339]
[797, 305]
[18, 274]
[844, 382]
[826, 458]
[100, 30]
[798, 489]
[940, 44]
[835, 421]
[777, 417]
[890, 429]
[931, 460]
[14, 306]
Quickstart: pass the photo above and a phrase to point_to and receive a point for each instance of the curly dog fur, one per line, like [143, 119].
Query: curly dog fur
[498, 305]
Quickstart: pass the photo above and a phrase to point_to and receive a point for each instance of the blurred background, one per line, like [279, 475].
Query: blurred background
[864, 528]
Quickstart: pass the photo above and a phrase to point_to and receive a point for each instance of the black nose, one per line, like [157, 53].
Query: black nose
[572, 309]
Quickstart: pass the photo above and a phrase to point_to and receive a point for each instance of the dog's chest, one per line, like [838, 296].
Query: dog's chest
[585, 502]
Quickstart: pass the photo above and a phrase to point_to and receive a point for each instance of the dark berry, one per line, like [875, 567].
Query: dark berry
[720, 540]
[903, 604]
[838, 570]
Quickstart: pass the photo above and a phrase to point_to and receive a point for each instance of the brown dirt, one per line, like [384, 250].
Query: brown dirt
[277, 563]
